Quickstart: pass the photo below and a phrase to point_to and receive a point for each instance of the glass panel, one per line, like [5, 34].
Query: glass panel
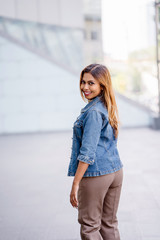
[63, 45]
[14, 29]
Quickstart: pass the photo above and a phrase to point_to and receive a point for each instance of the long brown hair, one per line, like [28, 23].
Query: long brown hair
[102, 75]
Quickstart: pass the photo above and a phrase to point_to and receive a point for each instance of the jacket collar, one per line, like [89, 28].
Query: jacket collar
[90, 104]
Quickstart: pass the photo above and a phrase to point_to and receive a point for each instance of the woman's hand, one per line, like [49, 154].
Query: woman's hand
[82, 167]
[73, 195]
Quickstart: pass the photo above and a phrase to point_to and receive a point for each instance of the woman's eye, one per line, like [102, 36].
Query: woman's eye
[90, 83]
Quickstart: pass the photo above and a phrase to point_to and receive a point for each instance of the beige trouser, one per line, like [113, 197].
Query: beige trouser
[98, 199]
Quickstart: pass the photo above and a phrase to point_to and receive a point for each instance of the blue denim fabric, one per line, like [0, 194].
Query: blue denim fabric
[94, 142]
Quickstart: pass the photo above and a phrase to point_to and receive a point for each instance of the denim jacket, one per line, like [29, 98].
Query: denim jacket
[93, 141]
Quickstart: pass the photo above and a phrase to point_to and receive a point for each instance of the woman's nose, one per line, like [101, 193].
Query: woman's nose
[86, 87]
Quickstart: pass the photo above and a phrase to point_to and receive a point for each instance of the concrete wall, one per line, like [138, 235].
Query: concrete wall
[35, 95]
[57, 12]
[132, 114]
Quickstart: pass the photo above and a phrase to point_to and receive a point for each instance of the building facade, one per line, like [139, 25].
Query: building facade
[93, 51]
[42, 51]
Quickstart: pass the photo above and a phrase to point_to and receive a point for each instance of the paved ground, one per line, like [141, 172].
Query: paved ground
[34, 188]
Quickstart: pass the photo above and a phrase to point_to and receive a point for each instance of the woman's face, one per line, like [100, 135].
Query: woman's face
[90, 86]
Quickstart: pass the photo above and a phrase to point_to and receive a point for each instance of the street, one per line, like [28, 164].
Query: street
[35, 188]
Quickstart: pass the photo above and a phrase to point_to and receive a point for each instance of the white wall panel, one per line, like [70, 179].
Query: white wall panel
[49, 12]
[71, 13]
[27, 10]
[57, 12]
[7, 8]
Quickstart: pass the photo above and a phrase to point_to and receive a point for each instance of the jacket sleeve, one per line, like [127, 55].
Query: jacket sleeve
[90, 138]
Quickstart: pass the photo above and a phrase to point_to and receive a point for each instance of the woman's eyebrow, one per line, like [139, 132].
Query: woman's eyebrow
[88, 80]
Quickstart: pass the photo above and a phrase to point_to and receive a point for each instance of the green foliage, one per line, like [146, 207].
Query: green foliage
[127, 78]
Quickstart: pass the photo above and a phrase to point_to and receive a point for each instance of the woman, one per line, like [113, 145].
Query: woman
[95, 162]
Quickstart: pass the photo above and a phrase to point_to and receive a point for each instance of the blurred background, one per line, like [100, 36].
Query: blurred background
[44, 44]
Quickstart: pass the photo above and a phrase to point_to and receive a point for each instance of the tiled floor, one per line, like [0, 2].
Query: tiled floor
[34, 187]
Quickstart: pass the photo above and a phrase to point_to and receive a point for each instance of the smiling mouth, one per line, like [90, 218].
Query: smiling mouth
[87, 93]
